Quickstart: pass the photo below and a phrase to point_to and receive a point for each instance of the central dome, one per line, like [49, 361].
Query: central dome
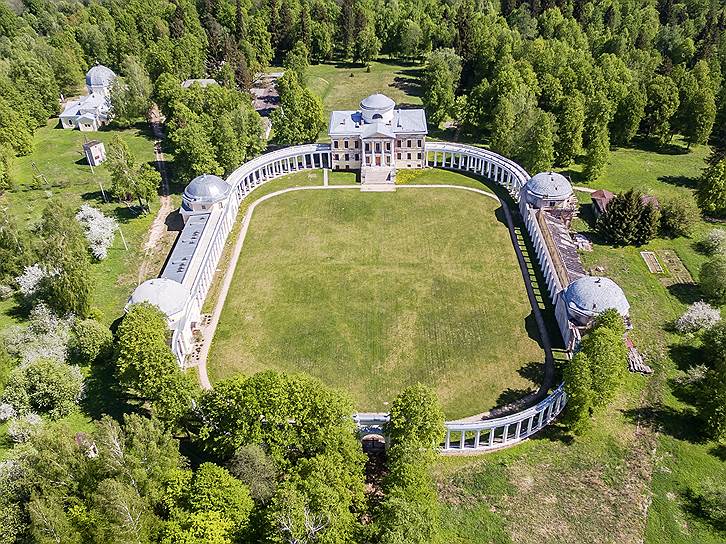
[377, 107]
[207, 188]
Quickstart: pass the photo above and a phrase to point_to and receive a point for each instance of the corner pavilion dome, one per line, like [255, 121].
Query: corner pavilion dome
[548, 186]
[589, 296]
[207, 189]
[377, 107]
[168, 295]
[100, 76]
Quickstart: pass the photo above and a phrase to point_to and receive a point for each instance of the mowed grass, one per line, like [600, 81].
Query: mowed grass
[57, 155]
[373, 292]
[343, 86]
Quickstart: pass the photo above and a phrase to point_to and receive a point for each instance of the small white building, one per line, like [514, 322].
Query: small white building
[589, 296]
[91, 112]
[95, 152]
[377, 139]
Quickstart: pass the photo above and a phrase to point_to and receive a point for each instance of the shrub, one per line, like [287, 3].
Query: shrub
[416, 416]
[629, 220]
[7, 411]
[46, 337]
[46, 386]
[92, 340]
[713, 279]
[678, 215]
[715, 242]
[22, 428]
[699, 315]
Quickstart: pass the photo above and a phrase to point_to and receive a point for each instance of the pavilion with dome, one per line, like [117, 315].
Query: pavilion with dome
[92, 111]
[377, 139]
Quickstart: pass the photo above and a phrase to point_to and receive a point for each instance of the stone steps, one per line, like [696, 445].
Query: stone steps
[378, 179]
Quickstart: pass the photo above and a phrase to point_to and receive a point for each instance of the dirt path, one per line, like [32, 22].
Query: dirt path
[158, 227]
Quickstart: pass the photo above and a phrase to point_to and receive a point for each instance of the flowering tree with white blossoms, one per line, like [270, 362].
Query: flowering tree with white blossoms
[29, 281]
[99, 228]
[7, 411]
[46, 337]
[22, 428]
[699, 315]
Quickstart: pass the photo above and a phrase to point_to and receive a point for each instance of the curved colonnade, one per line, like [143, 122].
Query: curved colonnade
[461, 436]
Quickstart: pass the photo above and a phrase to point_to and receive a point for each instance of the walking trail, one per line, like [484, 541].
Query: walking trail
[158, 227]
[210, 329]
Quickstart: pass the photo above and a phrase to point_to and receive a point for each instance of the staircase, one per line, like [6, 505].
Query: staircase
[377, 179]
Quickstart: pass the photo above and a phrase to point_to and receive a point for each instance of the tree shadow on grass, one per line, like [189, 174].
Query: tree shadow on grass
[533, 372]
[687, 293]
[530, 325]
[697, 506]
[680, 424]
[652, 145]
[685, 355]
[555, 432]
[511, 395]
[104, 395]
[576, 177]
[718, 451]
[680, 181]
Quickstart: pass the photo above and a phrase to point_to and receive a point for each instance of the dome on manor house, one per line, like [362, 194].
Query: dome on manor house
[168, 295]
[377, 101]
[589, 296]
[207, 188]
[100, 76]
[549, 186]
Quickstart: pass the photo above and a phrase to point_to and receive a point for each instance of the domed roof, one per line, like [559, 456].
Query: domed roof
[100, 76]
[592, 295]
[549, 185]
[377, 101]
[168, 295]
[207, 188]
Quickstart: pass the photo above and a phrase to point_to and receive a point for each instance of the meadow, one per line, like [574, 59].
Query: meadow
[372, 292]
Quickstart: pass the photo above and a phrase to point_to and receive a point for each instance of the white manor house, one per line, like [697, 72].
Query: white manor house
[377, 139]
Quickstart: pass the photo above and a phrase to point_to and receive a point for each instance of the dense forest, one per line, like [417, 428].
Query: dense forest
[274, 458]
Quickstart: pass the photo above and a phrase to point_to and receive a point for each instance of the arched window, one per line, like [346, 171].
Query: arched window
[377, 116]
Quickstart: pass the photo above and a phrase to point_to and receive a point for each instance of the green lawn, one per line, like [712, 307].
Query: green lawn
[342, 87]
[371, 292]
[58, 157]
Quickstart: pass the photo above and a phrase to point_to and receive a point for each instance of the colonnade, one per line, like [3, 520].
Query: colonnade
[461, 436]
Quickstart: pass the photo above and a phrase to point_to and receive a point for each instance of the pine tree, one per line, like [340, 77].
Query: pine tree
[648, 224]
[619, 223]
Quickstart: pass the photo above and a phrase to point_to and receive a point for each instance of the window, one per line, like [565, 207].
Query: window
[377, 116]
[378, 147]
[357, 157]
[398, 143]
[419, 156]
[356, 144]
[368, 146]
[335, 144]
[335, 156]
[418, 144]
[345, 144]
[408, 143]
[398, 156]
[408, 156]
[388, 146]
[347, 157]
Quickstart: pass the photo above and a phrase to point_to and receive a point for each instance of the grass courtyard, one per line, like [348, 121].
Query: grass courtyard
[372, 292]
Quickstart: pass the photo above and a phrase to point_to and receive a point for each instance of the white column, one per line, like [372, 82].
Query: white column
[462, 444]
[477, 437]
[448, 439]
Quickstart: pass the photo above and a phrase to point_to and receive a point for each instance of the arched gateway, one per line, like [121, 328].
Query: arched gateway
[210, 206]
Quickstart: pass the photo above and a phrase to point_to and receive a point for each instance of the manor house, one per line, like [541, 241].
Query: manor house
[378, 139]
[91, 112]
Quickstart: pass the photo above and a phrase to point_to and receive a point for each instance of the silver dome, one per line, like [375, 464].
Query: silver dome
[207, 188]
[168, 295]
[377, 101]
[589, 296]
[549, 186]
[100, 76]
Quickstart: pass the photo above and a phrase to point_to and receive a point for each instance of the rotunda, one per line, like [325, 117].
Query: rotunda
[588, 296]
[548, 190]
[168, 295]
[377, 107]
[99, 79]
[203, 192]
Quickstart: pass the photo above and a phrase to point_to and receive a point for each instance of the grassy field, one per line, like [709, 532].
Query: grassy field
[628, 480]
[342, 87]
[371, 292]
[58, 157]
